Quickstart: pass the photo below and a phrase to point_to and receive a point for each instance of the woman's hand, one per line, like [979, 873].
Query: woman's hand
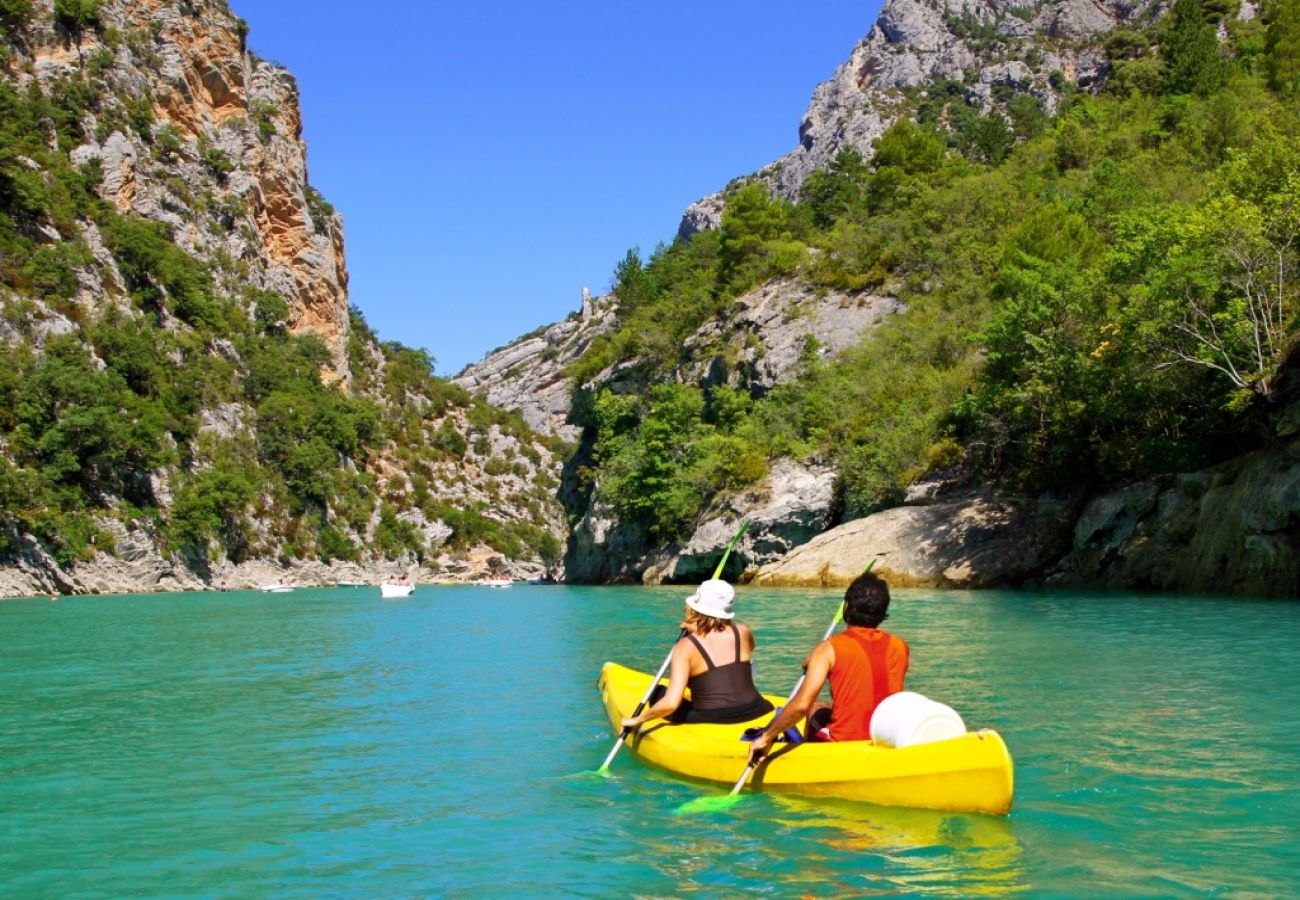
[632, 721]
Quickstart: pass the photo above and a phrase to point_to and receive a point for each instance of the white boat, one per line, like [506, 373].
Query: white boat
[349, 584]
[391, 590]
[276, 588]
[495, 582]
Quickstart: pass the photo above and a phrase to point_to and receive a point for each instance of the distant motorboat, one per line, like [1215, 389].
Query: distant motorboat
[276, 588]
[391, 590]
[495, 582]
[349, 584]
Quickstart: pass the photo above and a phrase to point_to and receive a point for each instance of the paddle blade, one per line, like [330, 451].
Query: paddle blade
[717, 803]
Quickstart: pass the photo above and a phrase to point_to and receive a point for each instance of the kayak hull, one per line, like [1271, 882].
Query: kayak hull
[972, 773]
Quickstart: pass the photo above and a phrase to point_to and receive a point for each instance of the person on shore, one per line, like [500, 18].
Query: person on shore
[863, 664]
[713, 659]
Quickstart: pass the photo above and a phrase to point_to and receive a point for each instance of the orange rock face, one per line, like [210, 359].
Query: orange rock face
[226, 102]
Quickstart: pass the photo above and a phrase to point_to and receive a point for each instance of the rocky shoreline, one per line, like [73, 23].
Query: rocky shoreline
[35, 574]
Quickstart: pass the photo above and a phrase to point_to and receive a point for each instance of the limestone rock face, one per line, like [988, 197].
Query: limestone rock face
[793, 505]
[789, 507]
[237, 124]
[981, 540]
[914, 43]
[760, 342]
[527, 375]
[603, 549]
[1233, 529]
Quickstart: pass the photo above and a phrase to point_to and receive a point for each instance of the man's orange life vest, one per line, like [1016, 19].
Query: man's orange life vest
[870, 664]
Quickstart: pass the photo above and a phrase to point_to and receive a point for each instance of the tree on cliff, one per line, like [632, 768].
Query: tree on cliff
[1282, 46]
[73, 17]
[1190, 47]
[1215, 284]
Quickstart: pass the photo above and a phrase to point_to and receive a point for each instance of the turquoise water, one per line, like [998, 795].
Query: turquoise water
[326, 743]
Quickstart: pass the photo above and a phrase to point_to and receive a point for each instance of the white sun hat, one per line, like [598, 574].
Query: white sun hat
[713, 598]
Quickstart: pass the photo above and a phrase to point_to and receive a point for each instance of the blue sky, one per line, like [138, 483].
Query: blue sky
[492, 159]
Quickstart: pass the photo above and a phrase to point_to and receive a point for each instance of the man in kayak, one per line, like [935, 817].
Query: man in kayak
[864, 665]
[713, 660]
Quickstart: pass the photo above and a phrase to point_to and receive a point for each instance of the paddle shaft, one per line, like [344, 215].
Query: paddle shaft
[622, 737]
[839, 617]
[717, 573]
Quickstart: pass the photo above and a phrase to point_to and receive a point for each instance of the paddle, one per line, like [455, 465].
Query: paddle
[622, 737]
[717, 804]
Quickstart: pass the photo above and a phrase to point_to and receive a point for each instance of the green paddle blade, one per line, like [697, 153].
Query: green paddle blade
[716, 803]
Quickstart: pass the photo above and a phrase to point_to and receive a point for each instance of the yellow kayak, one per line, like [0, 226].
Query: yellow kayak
[971, 773]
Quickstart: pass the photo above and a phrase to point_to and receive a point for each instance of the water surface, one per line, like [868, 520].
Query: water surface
[328, 743]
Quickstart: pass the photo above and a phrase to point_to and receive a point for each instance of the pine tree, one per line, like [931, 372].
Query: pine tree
[1190, 48]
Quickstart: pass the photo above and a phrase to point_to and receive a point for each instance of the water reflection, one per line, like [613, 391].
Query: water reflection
[938, 853]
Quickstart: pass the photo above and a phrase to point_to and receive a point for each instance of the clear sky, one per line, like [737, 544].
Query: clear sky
[492, 159]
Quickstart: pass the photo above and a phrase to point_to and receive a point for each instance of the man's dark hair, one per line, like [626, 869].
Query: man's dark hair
[866, 602]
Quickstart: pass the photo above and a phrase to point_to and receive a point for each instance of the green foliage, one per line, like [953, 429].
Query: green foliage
[334, 544]
[159, 274]
[829, 194]
[83, 427]
[673, 295]
[1214, 284]
[394, 536]
[139, 112]
[270, 311]
[15, 15]
[318, 208]
[1110, 297]
[263, 114]
[167, 142]
[757, 239]
[213, 504]
[1027, 116]
[665, 454]
[215, 160]
[449, 440]
[909, 148]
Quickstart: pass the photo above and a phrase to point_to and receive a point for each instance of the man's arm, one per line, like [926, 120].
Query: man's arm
[819, 668]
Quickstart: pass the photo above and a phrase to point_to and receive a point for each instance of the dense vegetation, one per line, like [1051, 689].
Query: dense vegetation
[1094, 296]
[180, 403]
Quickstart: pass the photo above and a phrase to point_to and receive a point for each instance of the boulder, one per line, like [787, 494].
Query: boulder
[981, 540]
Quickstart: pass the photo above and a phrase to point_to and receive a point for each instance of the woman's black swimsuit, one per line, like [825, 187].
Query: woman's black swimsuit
[722, 694]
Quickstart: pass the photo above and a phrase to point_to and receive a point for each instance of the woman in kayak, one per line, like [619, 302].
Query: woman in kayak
[713, 660]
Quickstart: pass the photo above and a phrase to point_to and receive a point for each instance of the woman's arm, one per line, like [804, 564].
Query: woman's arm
[678, 675]
[747, 634]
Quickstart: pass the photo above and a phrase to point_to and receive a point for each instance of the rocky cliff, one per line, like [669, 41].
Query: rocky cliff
[1228, 529]
[219, 158]
[169, 272]
[992, 50]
